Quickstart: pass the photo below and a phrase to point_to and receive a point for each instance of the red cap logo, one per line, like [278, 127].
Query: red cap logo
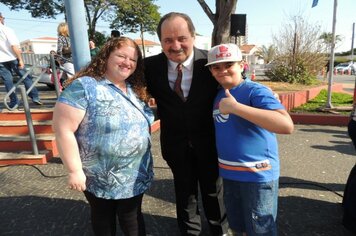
[223, 48]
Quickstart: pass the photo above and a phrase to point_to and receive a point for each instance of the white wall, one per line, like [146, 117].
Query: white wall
[43, 47]
[203, 42]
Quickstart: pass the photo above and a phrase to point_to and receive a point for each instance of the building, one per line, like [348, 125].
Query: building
[41, 45]
[249, 53]
[151, 48]
[202, 42]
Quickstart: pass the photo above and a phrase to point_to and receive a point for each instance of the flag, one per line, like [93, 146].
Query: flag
[315, 2]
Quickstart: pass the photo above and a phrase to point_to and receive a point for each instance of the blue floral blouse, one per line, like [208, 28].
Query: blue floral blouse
[113, 138]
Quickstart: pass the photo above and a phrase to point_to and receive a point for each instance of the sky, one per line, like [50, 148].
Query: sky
[264, 19]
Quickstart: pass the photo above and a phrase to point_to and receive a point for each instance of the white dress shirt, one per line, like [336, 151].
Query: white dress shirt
[187, 74]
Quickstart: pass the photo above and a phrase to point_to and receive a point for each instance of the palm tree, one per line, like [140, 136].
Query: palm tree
[327, 39]
[267, 53]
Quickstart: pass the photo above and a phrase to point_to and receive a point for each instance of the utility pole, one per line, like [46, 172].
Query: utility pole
[77, 23]
[331, 62]
[352, 43]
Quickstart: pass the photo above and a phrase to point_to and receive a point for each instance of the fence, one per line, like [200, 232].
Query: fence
[35, 59]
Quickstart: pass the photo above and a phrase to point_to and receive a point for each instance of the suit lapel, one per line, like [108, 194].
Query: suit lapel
[198, 61]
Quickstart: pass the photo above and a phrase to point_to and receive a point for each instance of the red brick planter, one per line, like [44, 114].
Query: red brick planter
[295, 99]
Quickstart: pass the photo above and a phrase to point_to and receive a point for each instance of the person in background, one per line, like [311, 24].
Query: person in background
[64, 49]
[246, 117]
[11, 62]
[245, 68]
[93, 49]
[187, 128]
[115, 33]
[102, 127]
[348, 201]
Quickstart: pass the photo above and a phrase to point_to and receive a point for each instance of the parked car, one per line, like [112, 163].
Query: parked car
[346, 67]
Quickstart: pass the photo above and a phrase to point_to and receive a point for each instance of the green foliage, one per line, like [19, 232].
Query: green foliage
[267, 53]
[138, 16]
[314, 105]
[285, 73]
[99, 39]
[39, 8]
[129, 16]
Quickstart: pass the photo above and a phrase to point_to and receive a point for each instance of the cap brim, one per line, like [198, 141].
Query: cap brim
[216, 62]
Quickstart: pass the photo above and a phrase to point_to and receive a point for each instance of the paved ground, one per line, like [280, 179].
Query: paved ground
[315, 162]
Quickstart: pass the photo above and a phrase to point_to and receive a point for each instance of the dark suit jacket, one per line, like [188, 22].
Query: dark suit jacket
[184, 122]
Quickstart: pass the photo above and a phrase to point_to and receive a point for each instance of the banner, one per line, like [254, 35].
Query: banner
[315, 2]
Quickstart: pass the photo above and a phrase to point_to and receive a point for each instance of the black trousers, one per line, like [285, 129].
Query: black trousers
[128, 211]
[349, 199]
[191, 173]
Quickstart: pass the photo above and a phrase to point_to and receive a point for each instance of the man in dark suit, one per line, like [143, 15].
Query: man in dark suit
[187, 129]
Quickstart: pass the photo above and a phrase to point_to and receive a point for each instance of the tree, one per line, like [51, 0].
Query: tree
[106, 10]
[221, 19]
[327, 39]
[38, 9]
[299, 54]
[140, 15]
[267, 53]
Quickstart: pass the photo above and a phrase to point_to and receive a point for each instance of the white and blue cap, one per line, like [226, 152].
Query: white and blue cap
[224, 53]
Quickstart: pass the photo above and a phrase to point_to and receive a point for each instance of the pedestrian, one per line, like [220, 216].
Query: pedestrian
[11, 62]
[187, 129]
[348, 201]
[245, 68]
[115, 34]
[246, 117]
[93, 49]
[102, 127]
[64, 50]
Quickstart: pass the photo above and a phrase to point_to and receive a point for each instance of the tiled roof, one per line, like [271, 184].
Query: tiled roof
[146, 42]
[45, 38]
[247, 48]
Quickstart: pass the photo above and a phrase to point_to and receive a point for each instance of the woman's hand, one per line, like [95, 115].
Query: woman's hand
[76, 180]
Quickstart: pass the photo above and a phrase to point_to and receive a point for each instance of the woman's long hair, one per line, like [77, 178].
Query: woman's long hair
[97, 67]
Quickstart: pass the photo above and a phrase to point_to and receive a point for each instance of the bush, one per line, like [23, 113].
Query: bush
[285, 73]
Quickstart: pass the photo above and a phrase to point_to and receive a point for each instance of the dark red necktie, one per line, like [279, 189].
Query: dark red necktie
[178, 84]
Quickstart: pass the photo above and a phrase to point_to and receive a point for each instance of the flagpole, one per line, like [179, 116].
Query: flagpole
[331, 62]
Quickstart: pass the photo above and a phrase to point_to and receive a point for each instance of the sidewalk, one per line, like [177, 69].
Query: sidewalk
[315, 163]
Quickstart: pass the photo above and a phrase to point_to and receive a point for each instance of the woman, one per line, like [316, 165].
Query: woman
[64, 49]
[102, 126]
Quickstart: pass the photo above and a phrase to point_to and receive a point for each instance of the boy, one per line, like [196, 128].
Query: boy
[246, 116]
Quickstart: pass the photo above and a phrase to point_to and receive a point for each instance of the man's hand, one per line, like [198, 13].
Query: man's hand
[21, 64]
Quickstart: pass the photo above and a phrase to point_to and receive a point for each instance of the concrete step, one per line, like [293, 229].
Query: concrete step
[17, 143]
[36, 114]
[19, 127]
[10, 158]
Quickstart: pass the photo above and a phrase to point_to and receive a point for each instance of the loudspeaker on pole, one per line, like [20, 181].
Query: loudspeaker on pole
[238, 25]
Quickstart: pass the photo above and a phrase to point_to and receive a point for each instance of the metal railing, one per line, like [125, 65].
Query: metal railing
[39, 64]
